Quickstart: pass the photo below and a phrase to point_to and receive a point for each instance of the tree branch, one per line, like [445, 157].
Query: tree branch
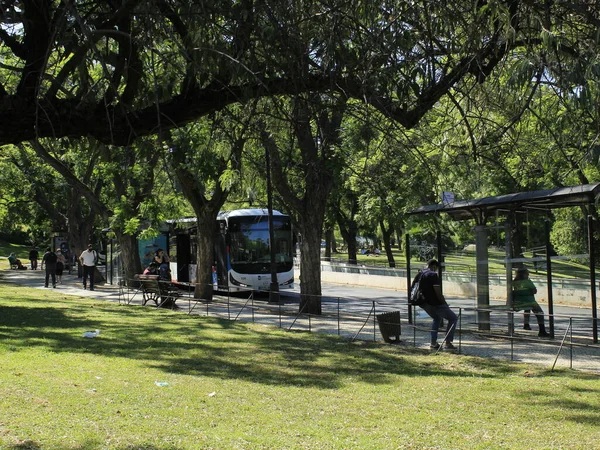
[70, 178]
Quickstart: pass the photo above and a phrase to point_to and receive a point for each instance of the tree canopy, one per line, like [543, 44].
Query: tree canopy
[118, 70]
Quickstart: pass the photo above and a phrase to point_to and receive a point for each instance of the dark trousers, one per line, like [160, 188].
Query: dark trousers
[88, 270]
[50, 272]
[437, 313]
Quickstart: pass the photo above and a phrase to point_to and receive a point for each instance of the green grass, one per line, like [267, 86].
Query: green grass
[243, 386]
[20, 251]
[465, 262]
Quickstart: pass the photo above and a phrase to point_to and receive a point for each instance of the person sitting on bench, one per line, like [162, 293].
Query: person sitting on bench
[15, 263]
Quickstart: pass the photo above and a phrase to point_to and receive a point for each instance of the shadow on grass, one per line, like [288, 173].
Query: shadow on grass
[89, 445]
[201, 346]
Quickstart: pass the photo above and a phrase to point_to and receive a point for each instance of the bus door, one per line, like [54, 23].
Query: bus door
[221, 254]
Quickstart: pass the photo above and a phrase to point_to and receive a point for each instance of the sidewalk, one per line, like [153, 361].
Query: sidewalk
[348, 312]
[71, 285]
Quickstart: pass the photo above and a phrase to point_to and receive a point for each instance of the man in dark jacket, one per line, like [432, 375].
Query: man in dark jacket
[49, 259]
[435, 305]
[33, 258]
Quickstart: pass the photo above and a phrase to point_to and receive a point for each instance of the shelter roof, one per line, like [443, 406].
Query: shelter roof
[482, 208]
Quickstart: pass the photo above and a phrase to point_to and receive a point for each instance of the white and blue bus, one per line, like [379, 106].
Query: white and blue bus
[242, 254]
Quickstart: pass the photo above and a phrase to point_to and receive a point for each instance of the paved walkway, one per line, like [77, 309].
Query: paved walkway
[348, 312]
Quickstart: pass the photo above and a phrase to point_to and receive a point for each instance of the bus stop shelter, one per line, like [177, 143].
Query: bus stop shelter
[481, 210]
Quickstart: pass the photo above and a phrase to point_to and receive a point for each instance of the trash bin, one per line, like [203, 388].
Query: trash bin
[389, 325]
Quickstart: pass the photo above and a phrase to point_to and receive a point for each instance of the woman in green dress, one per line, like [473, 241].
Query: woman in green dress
[524, 299]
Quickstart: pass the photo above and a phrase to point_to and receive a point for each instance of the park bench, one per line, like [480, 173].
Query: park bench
[161, 292]
[389, 325]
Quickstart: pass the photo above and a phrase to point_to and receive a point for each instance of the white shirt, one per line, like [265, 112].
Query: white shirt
[88, 257]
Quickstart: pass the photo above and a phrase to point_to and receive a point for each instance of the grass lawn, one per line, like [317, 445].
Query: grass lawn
[466, 262]
[20, 251]
[157, 379]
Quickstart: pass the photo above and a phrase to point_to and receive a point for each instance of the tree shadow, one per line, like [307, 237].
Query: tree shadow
[206, 346]
[88, 445]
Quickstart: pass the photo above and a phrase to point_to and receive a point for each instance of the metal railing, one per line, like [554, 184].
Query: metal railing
[501, 337]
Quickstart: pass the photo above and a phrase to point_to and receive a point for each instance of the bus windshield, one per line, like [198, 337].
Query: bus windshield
[249, 244]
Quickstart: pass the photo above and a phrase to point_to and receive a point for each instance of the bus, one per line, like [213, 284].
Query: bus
[242, 254]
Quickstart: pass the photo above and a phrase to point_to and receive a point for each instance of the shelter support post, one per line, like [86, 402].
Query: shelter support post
[112, 268]
[408, 277]
[483, 286]
[593, 277]
[508, 273]
[549, 280]
[440, 258]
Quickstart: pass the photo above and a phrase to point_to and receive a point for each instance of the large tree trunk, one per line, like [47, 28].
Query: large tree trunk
[205, 240]
[130, 255]
[349, 229]
[310, 266]
[80, 229]
[387, 235]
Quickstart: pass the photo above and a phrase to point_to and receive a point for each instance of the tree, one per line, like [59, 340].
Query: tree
[206, 158]
[303, 166]
[119, 70]
[115, 183]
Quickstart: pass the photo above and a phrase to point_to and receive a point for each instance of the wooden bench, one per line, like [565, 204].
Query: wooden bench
[159, 291]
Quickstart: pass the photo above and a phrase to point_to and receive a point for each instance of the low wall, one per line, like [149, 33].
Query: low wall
[568, 292]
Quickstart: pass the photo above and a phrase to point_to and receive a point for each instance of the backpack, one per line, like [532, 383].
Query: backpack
[416, 297]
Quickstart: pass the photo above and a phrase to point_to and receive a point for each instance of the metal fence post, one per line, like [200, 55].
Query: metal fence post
[459, 329]
[374, 323]
[511, 331]
[338, 316]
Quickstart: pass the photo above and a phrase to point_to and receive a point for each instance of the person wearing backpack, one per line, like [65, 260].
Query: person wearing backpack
[88, 259]
[434, 304]
[49, 260]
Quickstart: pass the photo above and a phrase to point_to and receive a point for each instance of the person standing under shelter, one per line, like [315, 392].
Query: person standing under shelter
[49, 260]
[524, 299]
[88, 260]
[436, 307]
[33, 258]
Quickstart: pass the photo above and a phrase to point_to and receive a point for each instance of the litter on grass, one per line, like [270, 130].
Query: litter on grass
[91, 334]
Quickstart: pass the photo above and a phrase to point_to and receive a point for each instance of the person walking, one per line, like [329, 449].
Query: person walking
[33, 258]
[436, 307]
[60, 265]
[88, 260]
[49, 260]
[524, 299]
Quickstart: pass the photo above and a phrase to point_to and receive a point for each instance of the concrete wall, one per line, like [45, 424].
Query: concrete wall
[568, 292]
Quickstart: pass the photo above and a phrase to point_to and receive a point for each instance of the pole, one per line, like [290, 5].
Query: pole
[274, 286]
[408, 277]
[440, 257]
[549, 280]
[593, 278]
[483, 282]
[112, 268]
